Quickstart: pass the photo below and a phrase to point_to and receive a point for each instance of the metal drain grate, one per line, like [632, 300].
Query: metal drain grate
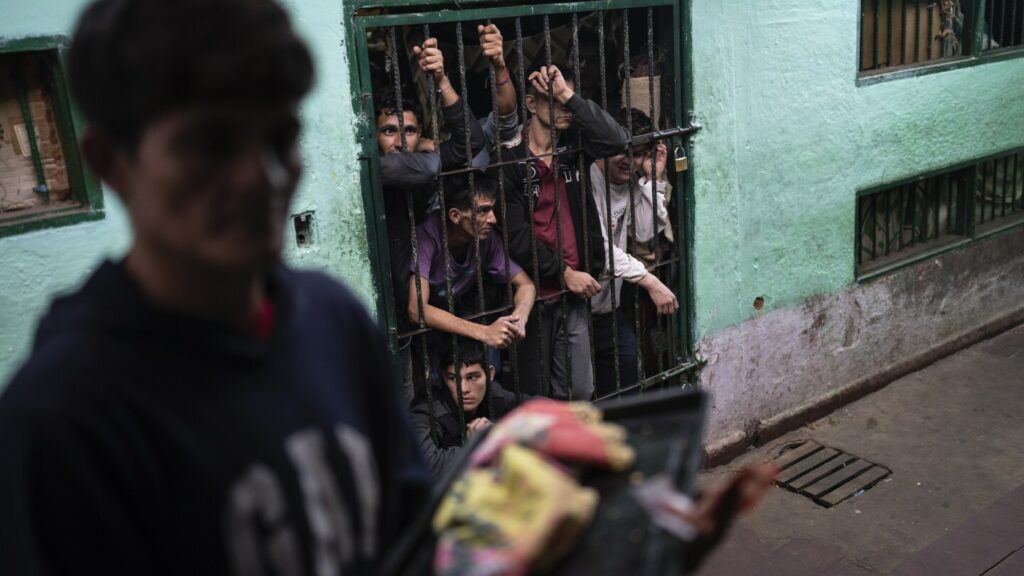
[826, 475]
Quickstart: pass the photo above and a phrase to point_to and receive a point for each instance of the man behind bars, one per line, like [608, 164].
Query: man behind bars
[553, 126]
[468, 225]
[197, 407]
[437, 425]
[627, 179]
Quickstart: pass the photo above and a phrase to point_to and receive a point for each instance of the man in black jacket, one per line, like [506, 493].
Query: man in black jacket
[438, 426]
[557, 231]
[199, 408]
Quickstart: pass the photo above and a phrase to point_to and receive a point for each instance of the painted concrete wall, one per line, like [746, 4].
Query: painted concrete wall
[37, 265]
[788, 139]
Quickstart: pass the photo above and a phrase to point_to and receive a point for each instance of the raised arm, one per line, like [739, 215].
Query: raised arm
[602, 135]
[453, 150]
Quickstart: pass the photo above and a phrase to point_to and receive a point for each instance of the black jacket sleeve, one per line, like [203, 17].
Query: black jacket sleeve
[437, 458]
[453, 150]
[520, 226]
[602, 135]
[409, 169]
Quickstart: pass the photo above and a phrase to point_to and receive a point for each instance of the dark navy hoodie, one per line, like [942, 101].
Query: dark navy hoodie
[136, 441]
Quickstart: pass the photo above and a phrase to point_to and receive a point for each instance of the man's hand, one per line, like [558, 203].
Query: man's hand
[500, 333]
[425, 145]
[477, 425]
[520, 325]
[431, 60]
[659, 156]
[492, 45]
[664, 300]
[581, 283]
[553, 76]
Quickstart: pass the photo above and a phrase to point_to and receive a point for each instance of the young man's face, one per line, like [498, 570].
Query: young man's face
[483, 206]
[620, 168]
[540, 107]
[389, 139]
[211, 184]
[474, 385]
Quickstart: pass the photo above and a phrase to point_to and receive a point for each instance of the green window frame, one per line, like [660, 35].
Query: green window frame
[915, 219]
[909, 38]
[365, 15]
[86, 192]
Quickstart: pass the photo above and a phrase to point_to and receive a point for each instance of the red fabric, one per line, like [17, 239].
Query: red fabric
[261, 324]
[546, 227]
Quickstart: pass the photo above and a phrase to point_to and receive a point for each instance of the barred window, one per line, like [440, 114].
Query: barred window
[905, 222]
[42, 182]
[560, 190]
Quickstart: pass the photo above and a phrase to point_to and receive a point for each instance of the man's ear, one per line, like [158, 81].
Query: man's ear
[531, 103]
[491, 369]
[454, 215]
[105, 158]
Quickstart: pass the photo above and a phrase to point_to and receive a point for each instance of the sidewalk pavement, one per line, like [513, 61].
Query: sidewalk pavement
[953, 436]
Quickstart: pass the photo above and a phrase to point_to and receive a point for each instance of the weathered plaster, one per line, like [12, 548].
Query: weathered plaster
[38, 265]
[788, 138]
[798, 355]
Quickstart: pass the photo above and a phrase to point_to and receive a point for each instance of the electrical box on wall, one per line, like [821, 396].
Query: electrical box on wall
[304, 229]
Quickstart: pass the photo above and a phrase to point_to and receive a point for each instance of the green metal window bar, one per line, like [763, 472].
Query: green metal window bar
[26, 116]
[535, 34]
[909, 33]
[903, 223]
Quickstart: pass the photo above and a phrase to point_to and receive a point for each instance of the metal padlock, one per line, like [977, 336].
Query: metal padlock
[681, 162]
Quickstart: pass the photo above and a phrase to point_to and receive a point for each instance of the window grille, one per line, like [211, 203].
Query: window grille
[624, 54]
[1004, 24]
[903, 223]
[898, 33]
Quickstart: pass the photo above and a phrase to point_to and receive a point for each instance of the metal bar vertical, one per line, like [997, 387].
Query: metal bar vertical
[859, 229]
[446, 247]
[556, 163]
[874, 37]
[1016, 191]
[1013, 24]
[886, 214]
[1002, 24]
[903, 36]
[950, 212]
[991, 26]
[584, 178]
[608, 209]
[655, 124]
[888, 34]
[874, 226]
[934, 192]
[995, 182]
[41, 187]
[396, 79]
[481, 297]
[984, 182]
[902, 209]
[628, 74]
[917, 30]
[1006, 174]
[513, 350]
[545, 361]
[928, 46]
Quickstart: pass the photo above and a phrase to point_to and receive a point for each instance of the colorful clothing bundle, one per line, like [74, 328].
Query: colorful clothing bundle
[517, 507]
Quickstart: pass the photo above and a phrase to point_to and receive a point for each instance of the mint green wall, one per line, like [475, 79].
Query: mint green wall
[37, 265]
[789, 137]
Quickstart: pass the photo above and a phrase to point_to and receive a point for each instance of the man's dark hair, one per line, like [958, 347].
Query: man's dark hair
[457, 193]
[567, 73]
[388, 104]
[641, 122]
[132, 61]
[470, 352]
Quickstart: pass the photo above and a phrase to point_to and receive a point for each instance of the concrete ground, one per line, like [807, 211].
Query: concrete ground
[953, 436]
